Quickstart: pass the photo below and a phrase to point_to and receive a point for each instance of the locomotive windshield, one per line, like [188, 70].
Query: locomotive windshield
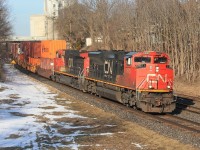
[160, 60]
[142, 59]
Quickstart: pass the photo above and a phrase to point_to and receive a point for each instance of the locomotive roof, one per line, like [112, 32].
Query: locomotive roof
[145, 53]
[131, 54]
[107, 54]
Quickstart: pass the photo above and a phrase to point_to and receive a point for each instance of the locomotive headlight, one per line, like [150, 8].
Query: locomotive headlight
[157, 69]
[150, 68]
[150, 86]
[168, 86]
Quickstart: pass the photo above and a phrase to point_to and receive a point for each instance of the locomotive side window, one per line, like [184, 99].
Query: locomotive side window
[142, 59]
[106, 68]
[129, 61]
[160, 60]
[58, 55]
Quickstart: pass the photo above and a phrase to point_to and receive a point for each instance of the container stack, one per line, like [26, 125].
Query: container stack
[48, 54]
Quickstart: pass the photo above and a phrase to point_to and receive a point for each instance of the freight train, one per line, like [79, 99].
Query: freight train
[142, 80]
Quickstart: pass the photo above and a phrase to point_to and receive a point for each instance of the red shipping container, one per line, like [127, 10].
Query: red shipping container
[47, 63]
[26, 49]
[31, 49]
[46, 67]
[36, 49]
[20, 59]
[15, 50]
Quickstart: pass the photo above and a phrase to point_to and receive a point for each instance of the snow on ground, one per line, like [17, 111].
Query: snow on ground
[140, 146]
[22, 103]
[33, 117]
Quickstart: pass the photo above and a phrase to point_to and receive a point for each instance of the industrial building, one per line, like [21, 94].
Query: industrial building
[44, 25]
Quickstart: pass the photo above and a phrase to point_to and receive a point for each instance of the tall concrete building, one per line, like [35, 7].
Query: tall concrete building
[52, 7]
[37, 23]
[44, 25]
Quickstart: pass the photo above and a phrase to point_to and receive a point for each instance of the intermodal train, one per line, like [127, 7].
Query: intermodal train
[142, 80]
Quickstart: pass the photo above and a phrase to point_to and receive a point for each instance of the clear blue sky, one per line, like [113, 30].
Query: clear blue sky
[20, 12]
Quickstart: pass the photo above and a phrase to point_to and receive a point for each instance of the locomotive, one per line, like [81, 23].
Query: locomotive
[142, 80]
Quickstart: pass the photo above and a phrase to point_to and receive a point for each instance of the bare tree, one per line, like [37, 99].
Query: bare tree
[5, 27]
[172, 26]
[5, 30]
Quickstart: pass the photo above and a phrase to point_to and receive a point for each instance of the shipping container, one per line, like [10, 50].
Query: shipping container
[26, 49]
[46, 67]
[15, 49]
[20, 59]
[47, 63]
[33, 64]
[49, 48]
[36, 49]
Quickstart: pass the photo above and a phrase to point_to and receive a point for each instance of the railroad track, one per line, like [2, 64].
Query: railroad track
[182, 123]
[171, 120]
[188, 103]
[188, 108]
[126, 112]
[191, 98]
[167, 119]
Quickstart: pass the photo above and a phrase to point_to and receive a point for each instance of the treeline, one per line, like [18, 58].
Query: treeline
[172, 26]
[5, 31]
[5, 26]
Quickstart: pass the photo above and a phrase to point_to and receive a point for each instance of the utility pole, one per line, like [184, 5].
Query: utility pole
[53, 18]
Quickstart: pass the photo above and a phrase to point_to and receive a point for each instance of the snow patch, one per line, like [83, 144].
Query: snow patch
[27, 118]
[140, 146]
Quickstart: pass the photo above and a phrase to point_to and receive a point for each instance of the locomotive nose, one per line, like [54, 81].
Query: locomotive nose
[159, 77]
[155, 77]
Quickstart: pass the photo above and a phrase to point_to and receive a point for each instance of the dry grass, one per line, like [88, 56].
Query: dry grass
[192, 89]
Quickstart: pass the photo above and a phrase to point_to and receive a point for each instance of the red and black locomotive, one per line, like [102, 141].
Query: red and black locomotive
[136, 79]
[141, 80]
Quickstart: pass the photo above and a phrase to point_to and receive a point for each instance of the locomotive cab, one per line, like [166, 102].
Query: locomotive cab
[59, 62]
[149, 73]
[154, 84]
[153, 72]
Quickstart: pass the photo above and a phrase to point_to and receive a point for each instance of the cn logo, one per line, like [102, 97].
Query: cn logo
[108, 67]
[157, 77]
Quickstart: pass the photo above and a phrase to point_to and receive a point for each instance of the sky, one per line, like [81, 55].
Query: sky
[20, 12]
